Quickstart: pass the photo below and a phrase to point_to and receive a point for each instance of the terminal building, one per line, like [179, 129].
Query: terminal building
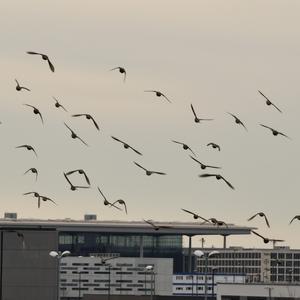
[113, 258]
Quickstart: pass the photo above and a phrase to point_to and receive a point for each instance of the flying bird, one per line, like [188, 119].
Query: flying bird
[126, 146]
[156, 227]
[196, 119]
[88, 117]
[58, 105]
[44, 57]
[266, 240]
[121, 70]
[217, 222]
[148, 173]
[184, 146]
[37, 195]
[237, 120]
[215, 146]
[195, 216]
[297, 217]
[159, 94]
[34, 171]
[122, 202]
[218, 177]
[19, 88]
[75, 136]
[106, 202]
[36, 111]
[203, 166]
[268, 102]
[81, 172]
[275, 132]
[28, 147]
[261, 214]
[74, 187]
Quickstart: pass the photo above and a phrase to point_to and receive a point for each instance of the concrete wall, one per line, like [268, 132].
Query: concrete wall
[29, 272]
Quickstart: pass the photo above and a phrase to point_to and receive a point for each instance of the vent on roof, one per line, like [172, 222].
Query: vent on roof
[90, 217]
[8, 215]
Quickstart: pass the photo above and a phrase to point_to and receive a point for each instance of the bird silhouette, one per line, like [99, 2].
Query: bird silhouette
[106, 202]
[72, 186]
[44, 57]
[122, 71]
[268, 102]
[203, 166]
[28, 147]
[237, 120]
[297, 217]
[159, 94]
[195, 216]
[81, 172]
[261, 214]
[266, 240]
[218, 177]
[156, 227]
[58, 105]
[122, 202]
[196, 119]
[215, 146]
[19, 88]
[36, 111]
[36, 195]
[148, 173]
[34, 171]
[126, 146]
[275, 132]
[184, 146]
[217, 222]
[88, 117]
[75, 136]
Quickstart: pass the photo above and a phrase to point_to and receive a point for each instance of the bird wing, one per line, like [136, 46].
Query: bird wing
[116, 68]
[233, 116]
[17, 82]
[71, 172]
[68, 179]
[284, 135]
[125, 74]
[151, 91]
[252, 217]
[189, 212]
[30, 106]
[264, 96]
[34, 151]
[191, 150]
[140, 166]
[257, 234]
[116, 139]
[41, 117]
[276, 107]
[28, 193]
[82, 140]
[78, 115]
[228, 183]
[48, 199]
[102, 194]
[267, 221]
[266, 127]
[135, 150]
[159, 173]
[68, 127]
[177, 142]
[27, 171]
[166, 97]
[95, 123]
[207, 175]
[50, 65]
[150, 223]
[213, 167]
[243, 125]
[86, 178]
[35, 53]
[196, 160]
[81, 187]
[39, 201]
[294, 218]
[193, 110]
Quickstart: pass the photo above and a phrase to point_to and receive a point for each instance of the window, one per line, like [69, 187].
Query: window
[179, 277]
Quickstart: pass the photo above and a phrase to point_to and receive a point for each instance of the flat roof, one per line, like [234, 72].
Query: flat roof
[126, 227]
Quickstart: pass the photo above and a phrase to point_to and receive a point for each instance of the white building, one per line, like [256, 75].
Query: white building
[118, 276]
[193, 284]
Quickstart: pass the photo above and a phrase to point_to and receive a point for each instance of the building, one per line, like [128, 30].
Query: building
[278, 264]
[28, 272]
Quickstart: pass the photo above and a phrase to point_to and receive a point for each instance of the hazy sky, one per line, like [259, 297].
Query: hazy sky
[214, 54]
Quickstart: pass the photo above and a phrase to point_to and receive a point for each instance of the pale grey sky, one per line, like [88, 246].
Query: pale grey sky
[214, 54]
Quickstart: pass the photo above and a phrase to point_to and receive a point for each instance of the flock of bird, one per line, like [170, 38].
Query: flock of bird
[121, 204]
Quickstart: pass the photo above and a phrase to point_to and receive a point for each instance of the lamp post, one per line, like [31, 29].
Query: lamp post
[103, 262]
[79, 284]
[206, 256]
[58, 255]
[150, 268]
[21, 236]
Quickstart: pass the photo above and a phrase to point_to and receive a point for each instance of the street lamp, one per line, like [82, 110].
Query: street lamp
[150, 269]
[206, 256]
[79, 283]
[58, 255]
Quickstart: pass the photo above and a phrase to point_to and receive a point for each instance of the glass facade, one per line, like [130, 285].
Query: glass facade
[126, 245]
